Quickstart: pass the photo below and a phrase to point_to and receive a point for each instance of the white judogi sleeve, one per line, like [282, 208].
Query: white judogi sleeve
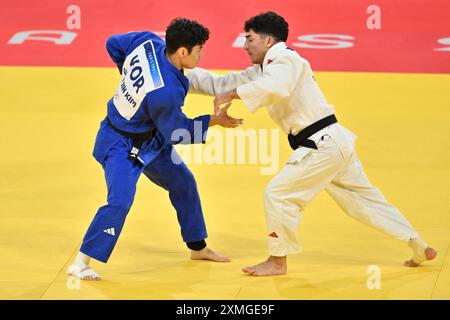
[278, 81]
[205, 82]
[284, 84]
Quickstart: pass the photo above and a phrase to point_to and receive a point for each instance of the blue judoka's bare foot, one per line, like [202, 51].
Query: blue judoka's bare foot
[83, 272]
[273, 266]
[208, 254]
[80, 268]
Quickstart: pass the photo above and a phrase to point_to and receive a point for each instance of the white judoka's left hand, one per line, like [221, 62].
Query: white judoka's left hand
[224, 98]
[222, 118]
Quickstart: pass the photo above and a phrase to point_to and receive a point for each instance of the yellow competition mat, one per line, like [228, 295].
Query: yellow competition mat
[51, 187]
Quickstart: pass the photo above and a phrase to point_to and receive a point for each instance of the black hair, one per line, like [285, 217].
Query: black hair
[269, 23]
[186, 33]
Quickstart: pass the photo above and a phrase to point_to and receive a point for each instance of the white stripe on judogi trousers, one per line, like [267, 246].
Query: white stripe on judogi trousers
[335, 167]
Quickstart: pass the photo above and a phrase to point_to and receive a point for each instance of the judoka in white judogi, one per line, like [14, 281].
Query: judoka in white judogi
[284, 83]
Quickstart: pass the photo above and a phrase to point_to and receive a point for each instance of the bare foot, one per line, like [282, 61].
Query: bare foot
[83, 273]
[208, 254]
[256, 266]
[429, 254]
[271, 267]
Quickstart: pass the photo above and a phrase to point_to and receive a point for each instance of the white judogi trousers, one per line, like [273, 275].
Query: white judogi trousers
[335, 167]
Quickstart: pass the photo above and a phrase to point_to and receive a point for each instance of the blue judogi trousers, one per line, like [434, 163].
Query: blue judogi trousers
[121, 176]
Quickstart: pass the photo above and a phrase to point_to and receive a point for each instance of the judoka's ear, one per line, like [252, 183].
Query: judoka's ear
[182, 51]
[269, 41]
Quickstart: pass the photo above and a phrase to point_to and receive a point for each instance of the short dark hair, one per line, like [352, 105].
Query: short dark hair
[269, 23]
[182, 32]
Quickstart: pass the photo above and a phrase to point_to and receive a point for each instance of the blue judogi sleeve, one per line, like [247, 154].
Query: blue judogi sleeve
[173, 124]
[118, 45]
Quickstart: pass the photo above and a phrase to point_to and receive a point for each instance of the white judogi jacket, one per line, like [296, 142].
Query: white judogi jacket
[284, 83]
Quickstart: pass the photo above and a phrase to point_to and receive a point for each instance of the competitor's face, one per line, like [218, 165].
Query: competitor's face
[257, 46]
[192, 59]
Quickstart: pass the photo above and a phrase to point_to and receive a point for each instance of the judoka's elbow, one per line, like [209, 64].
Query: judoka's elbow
[180, 136]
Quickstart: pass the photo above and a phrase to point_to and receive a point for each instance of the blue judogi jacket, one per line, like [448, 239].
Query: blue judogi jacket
[150, 95]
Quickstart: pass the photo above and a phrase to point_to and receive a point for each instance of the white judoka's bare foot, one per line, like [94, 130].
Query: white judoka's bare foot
[273, 266]
[428, 254]
[208, 254]
[421, 253]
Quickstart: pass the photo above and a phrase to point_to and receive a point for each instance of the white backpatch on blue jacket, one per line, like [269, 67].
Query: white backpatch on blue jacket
[140, 75]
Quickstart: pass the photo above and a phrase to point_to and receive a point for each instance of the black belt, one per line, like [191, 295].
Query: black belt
[138, 139]
[301, 138]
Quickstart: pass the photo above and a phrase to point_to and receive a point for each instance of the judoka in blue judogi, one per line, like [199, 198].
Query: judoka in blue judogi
[144, 119]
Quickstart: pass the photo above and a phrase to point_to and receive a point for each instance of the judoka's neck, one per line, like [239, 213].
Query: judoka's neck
[174, 61]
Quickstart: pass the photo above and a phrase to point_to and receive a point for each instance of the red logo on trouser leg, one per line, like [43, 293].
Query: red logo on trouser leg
[273, 235]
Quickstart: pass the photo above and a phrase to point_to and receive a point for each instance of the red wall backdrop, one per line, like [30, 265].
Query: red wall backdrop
[408, 41]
